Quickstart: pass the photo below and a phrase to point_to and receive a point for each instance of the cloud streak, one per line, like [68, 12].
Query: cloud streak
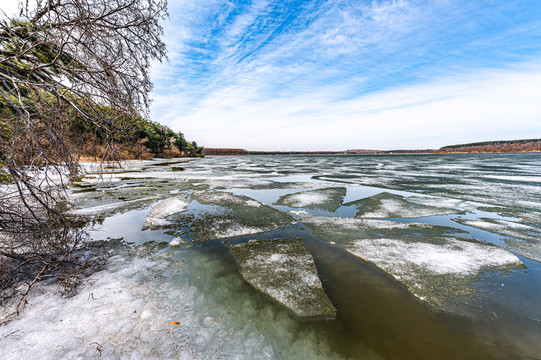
[349, 74]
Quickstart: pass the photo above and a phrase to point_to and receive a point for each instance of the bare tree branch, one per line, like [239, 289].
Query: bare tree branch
[66, 67]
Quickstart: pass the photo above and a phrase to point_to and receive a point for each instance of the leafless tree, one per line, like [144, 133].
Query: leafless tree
[65, 66]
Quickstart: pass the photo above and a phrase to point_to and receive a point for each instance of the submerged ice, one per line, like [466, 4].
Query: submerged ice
[284, 270]
[228, 215]
[435, 266]
[125, 311]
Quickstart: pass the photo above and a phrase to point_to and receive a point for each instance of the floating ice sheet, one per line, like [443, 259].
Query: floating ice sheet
[434, 272]
[428, 259]
[505, 227]
[341, 229]
[113, 206]
[386, 205]
[230, 215]
[158, 216]
[284, 270]
[529, 237]
[328, 199]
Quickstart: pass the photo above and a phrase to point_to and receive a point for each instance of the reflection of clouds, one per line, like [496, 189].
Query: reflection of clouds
[128, 226]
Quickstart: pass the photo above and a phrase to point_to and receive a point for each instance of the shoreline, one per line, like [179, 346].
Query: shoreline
[345, 153]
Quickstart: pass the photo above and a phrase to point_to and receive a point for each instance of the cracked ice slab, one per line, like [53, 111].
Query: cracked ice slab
[227, 215]
[434, 272]
[427, 259]
[328, 199]
[387, 205]
[284, 270]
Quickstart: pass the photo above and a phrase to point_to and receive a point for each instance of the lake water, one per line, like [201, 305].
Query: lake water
[423, 257]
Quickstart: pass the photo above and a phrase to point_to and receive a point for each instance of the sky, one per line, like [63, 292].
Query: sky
[350, 74]
[336, 75]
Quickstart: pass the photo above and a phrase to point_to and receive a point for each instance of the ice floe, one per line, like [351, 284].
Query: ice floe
[434, 272]
[442, 202]
[386, 205]
[428, 259]
[223, 197]
[451, 257]
[158, 216]
[328, 199]
[230, 215]
[505, 227]
[112, 207]
[341, 229]
[529, 237]
[284, 270]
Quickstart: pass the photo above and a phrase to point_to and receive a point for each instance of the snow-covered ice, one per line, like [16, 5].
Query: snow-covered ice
[284, 270]
[434, 272]
[327, 199]
[452, 257]
[386, 205]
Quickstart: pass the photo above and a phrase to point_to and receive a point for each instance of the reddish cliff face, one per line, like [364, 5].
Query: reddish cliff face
[495, 147]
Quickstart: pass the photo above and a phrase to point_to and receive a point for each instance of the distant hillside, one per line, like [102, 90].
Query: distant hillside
[375, 152]
[224, 151]
[297, 152]
[500, 146]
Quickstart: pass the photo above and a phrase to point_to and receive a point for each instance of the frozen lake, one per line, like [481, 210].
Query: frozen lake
[399, 257]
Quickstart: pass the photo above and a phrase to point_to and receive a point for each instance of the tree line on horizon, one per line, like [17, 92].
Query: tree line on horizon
[503, 146]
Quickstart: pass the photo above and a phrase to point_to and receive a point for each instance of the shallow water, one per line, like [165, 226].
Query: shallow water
[495, 315]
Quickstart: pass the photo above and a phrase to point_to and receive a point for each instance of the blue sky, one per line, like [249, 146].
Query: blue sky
[332, 75]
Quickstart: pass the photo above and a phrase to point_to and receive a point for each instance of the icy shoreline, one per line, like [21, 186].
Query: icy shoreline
[124, 310]
[190, 300]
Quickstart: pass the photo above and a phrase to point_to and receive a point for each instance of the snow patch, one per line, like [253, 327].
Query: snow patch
[453, 257]
[328, 199]
[305, 199]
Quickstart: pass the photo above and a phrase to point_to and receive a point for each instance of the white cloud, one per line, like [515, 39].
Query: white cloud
[477, 106]
[268, 76]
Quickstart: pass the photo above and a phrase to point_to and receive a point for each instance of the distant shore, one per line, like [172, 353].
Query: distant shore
[500, 146]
